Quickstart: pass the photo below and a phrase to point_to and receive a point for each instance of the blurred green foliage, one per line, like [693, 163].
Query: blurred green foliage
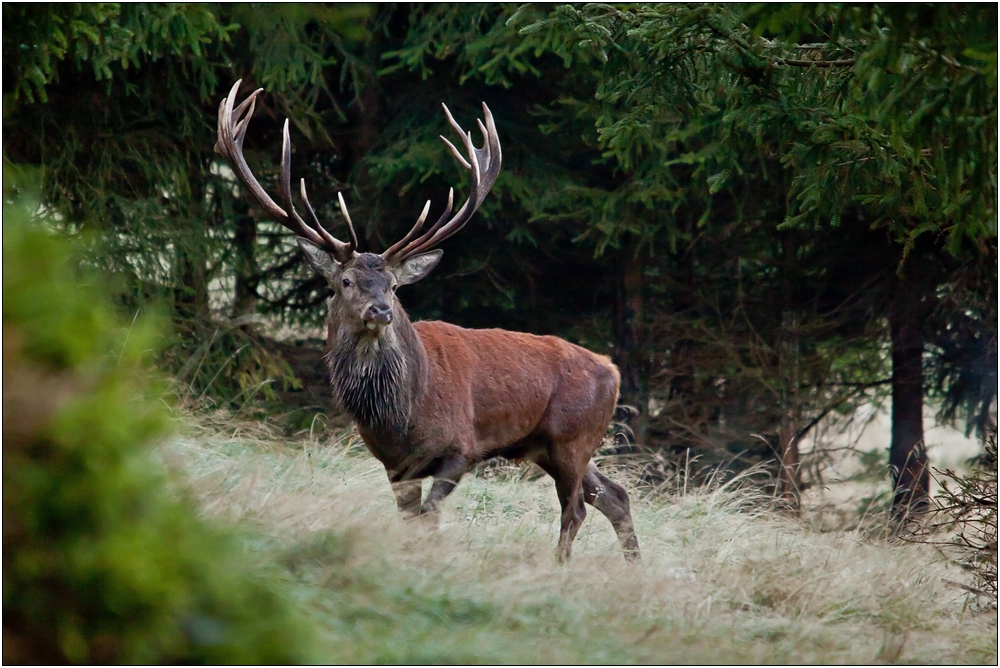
[100, 563]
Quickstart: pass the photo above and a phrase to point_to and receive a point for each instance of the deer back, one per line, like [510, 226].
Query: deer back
[490, 390]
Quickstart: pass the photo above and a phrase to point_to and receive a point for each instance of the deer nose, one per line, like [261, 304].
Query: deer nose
[380, 313]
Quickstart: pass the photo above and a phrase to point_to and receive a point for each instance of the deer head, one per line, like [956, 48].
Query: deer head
[365, 283]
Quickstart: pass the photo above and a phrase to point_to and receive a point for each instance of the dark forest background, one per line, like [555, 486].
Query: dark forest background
[766, 215]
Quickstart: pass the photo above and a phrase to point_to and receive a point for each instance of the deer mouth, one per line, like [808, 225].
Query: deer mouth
[378, 321]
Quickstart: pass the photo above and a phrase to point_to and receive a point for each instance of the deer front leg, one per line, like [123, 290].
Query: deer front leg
[446, 476]
[407, 497]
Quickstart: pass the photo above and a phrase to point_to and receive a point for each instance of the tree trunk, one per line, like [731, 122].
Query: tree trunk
[907, 454]
[629, 347]
[245, 261]
[191, 278]
[191, 286]
[683, 394]
[790, 378]
[789, 475]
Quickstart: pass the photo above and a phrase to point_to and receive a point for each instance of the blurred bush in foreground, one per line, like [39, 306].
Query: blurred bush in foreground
[100, 564]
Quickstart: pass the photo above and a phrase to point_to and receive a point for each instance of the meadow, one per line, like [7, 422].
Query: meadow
[725, 578]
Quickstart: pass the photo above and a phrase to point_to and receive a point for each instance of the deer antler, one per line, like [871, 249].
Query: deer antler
[483, 166]
[231, 133]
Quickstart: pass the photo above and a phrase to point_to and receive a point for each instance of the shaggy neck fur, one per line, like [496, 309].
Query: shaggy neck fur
[375, 375]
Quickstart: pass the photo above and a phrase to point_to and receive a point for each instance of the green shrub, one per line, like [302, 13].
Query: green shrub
[100, 563]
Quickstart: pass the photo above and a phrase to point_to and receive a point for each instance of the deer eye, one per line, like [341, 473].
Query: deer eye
[347, 282]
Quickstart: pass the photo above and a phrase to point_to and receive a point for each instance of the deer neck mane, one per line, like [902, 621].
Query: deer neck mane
[376, 377]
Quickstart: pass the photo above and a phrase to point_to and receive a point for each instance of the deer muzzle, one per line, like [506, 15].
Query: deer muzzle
[377, 315]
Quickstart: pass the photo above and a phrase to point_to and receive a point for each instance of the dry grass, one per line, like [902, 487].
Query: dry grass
[723, 579]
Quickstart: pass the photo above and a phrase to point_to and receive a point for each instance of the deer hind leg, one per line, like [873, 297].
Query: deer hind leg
[611, 499]
[568, 481]
[573, 514]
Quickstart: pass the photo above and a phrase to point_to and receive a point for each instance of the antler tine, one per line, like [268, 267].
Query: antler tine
[347, 217]
[444, 214]
[494, 156]
[231, 151]
[319, 236]
[239, 134]
[296, 224]
[305, 200]
[420, 221]
[347, 250]
[466, 137]
[231, 131]
[483, 166]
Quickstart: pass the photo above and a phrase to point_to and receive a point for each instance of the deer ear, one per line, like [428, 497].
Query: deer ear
[322, 262]
[412, 269]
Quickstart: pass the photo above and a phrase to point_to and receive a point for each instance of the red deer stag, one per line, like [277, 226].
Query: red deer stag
[433, 399]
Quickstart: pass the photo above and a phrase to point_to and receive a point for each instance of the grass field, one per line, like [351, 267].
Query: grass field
[723, 578]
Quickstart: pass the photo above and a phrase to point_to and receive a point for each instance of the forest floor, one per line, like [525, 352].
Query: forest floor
[724, 577]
